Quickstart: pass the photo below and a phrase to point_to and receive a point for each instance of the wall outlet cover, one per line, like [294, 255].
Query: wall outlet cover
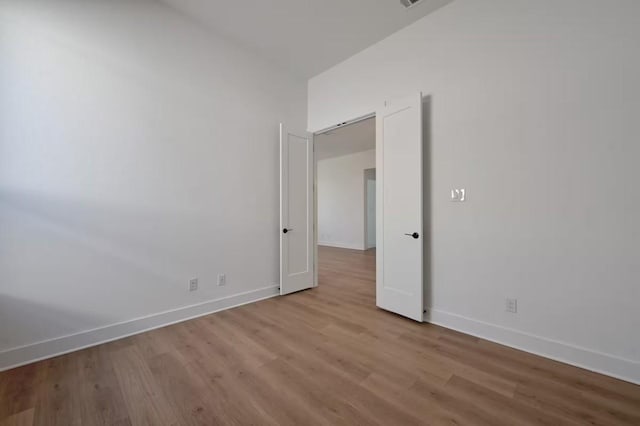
[193, 284]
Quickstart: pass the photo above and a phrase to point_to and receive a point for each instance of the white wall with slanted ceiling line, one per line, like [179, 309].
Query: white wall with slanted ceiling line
[534, 110]
[341, 198]
[137, 150]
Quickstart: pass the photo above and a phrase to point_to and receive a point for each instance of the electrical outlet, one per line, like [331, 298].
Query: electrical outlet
[193, 284]
[511, 305]
[222, 279]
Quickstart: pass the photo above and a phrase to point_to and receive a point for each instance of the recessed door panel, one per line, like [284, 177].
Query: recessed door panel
[296, 211]
[400, 256]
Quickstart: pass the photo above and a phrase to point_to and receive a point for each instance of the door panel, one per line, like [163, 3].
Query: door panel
[296, 211]
[399, 283]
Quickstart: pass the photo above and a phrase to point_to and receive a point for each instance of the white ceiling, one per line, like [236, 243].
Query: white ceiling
[350, 139]
[307, 36]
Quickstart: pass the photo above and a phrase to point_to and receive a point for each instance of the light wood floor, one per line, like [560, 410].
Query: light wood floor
[324, 356]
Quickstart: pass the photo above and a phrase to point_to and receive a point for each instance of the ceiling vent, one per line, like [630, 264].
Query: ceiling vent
[409, 3]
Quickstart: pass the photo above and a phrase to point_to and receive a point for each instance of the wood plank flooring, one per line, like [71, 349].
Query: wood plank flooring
[325, 356]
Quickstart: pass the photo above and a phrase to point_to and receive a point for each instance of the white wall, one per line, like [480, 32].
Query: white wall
[136, 151]
[341, 199]
[534, 111]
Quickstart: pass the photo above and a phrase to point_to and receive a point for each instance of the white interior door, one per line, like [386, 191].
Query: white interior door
[296, 211]
[399, 278]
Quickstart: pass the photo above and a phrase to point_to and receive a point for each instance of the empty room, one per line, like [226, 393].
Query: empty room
[346, 205]
[319, 212]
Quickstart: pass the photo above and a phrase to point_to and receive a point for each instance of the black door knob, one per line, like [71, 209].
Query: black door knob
[285, 230]
[415, 235]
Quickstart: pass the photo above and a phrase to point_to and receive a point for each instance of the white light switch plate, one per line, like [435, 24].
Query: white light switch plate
[458, 195]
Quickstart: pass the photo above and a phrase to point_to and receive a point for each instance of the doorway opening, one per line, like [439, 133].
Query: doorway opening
[324, 226]
[370, 208]
[345, 163]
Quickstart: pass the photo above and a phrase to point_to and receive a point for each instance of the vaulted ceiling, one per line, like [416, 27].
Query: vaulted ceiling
[306, 36]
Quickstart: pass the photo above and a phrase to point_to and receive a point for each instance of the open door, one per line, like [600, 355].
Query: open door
[399, 273]
[296, 211]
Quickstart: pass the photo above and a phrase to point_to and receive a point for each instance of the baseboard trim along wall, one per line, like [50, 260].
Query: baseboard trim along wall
[620, 368]
[598, 362]
[341, 245]
[27, 354]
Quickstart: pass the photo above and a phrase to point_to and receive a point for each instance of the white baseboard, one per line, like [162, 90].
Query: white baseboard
[16, 357]
[341, 245]
[610, 365]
